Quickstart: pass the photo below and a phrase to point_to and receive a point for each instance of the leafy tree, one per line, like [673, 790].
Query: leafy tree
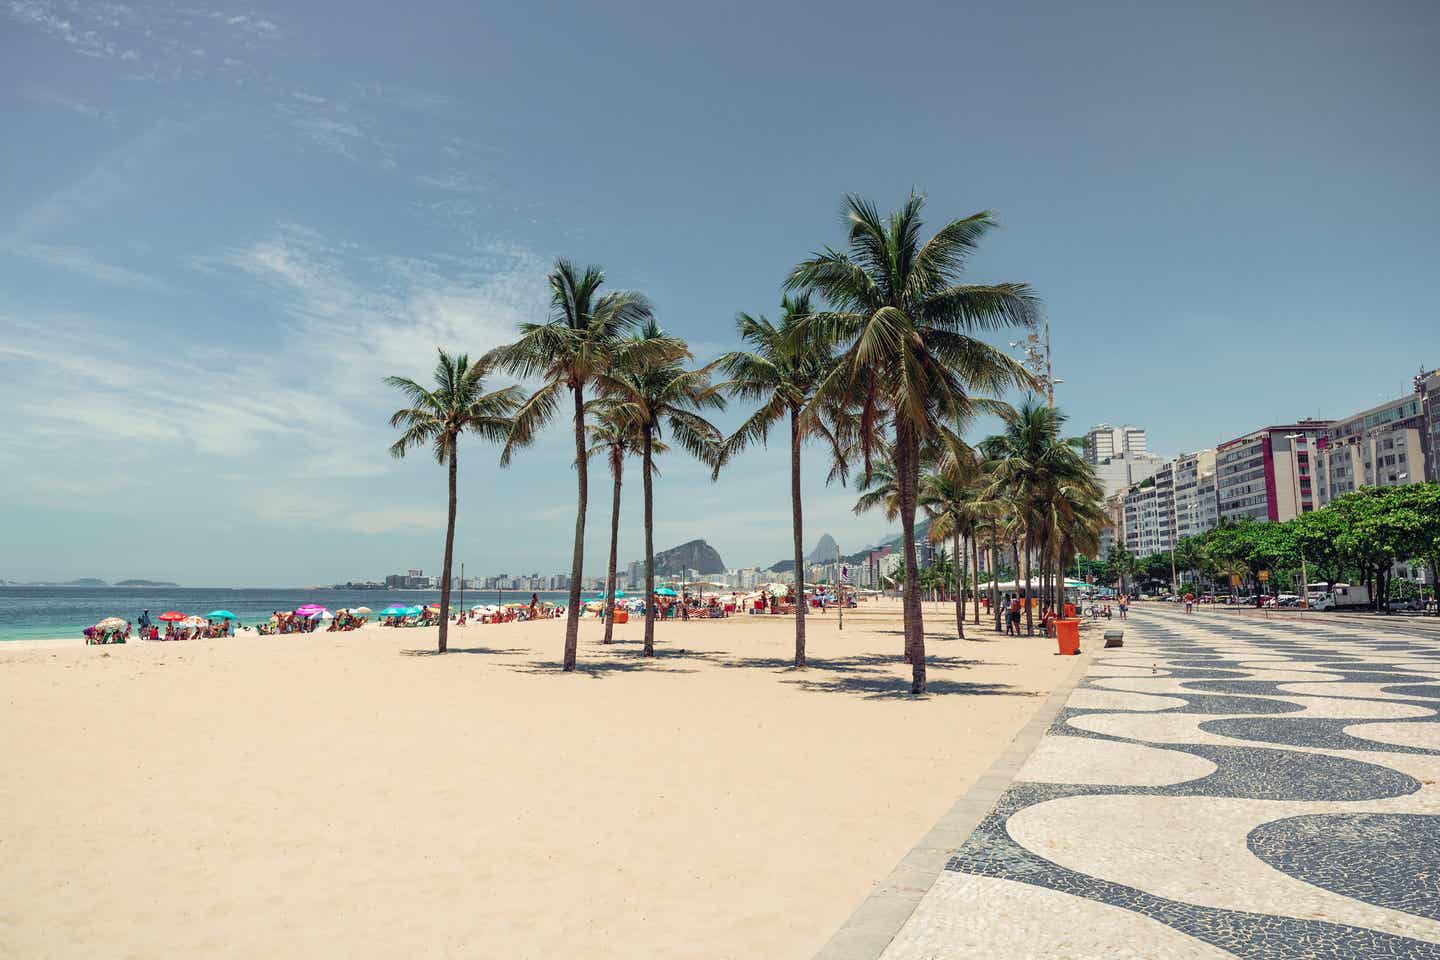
[653, 395]
[615, 437]
[566, 353]
[904, 325]
[436, 418]
[781, 370]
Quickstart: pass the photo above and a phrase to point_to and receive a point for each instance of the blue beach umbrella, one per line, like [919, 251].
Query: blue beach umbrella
[392, 611]
[665, 592]
[411, 612]
[220, 615]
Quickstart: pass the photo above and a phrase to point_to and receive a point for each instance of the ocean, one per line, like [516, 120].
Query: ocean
[43, 613]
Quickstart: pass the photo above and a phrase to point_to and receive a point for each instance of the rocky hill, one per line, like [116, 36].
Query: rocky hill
[695, 555]
[825, 550]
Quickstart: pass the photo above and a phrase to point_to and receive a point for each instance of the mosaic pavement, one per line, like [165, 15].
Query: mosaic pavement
[1217, 787]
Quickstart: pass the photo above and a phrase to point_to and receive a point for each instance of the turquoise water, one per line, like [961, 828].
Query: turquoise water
[35, 613]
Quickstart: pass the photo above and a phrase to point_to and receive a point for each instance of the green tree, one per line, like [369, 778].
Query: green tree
[655, 394]
[615, 437]
[904, 325]
[435, 418]
[566, 353]
[781, 369]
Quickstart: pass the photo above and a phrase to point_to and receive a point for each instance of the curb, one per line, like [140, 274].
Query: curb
[881, 915]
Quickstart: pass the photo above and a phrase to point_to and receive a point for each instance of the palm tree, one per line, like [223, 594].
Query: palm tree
[566, 353]
[1029, 462]
[909, 356]
[612, 435]
[652, 394]
[781, 370]
[458, 403]
[950, 497]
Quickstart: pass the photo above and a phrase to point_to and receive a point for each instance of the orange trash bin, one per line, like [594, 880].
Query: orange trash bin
[622, 616]
[1070, 610]
[1067, 634]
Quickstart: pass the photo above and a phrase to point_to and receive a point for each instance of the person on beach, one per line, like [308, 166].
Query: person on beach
[1189, 602]
[1012, 617]
[144, 622]
[534, 606]
[1047, 621]
[1124, 604]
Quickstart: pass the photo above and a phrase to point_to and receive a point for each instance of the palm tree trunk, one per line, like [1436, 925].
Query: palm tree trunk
[449, 555]
[647, 451]
[975, 556]
[617, 465]
[798, 531]
[577, 560]
[960, 573]
[1029, 610]
[995, 582]
[908, 468]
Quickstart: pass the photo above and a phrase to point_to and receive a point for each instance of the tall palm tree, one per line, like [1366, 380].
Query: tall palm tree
[781, 370]
[950, 497]
[436, 417]
[909, 357]
[1029, 461]
[616, 437]
[565, 353]
[653, 394]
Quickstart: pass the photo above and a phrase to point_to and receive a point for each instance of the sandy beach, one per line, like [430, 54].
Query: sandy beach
[355, 795]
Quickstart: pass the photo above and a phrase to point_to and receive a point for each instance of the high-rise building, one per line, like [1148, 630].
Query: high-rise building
[1267, 473]
[1382, 446]
[1197, 507]
[1427, 387]
[1104, 441]
[1122, 471]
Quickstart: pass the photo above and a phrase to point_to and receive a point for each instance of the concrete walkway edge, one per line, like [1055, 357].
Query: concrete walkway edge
[879, 918]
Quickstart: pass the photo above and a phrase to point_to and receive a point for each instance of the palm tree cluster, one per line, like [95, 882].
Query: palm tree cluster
[877, 354]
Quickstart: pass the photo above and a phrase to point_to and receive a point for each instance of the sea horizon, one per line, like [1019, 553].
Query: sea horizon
[57, 612]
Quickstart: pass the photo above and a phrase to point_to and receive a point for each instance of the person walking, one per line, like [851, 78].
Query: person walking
[1189, 602]
[1124, 604]
[144, 622]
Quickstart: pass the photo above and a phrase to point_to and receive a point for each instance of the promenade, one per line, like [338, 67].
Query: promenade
[1223, 785]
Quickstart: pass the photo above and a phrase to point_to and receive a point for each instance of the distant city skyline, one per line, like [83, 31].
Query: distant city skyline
[221, 226]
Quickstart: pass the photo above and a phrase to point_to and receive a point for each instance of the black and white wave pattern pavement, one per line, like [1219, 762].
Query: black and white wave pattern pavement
[1218, 787]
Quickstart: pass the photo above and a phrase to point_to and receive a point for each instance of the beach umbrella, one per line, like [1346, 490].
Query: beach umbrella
[665, 592]
[308, 609]
[360, 610]
[172, 616]
[220, 615]
[392, 611]
[193, 622]
[411, 612]
[110, 623]
[325, 615]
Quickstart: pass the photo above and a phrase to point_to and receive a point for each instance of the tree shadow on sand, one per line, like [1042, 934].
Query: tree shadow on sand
[622, 661]
[873, 676]
[491, 651]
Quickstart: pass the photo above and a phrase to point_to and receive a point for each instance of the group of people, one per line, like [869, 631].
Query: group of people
[284, 621]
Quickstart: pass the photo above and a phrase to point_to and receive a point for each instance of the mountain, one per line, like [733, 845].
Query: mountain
[695, 555]
[825, 550]
[145, 583]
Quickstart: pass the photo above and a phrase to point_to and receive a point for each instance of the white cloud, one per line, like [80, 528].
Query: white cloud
[55, 98]
[83, 262]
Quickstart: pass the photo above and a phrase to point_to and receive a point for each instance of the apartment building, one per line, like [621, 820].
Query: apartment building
[1148, 510]
[1122, 471]
[1267, 473]
[1197, 508]
[1104, 441]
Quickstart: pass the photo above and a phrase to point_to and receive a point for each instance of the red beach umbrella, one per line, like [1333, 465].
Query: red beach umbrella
[172, 615]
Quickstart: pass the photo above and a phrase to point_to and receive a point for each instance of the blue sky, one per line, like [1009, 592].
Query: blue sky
[221, 225]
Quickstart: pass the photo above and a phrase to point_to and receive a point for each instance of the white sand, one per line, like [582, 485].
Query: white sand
[331, 795]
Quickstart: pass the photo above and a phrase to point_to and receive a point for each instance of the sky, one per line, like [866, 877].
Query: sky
[222, 225]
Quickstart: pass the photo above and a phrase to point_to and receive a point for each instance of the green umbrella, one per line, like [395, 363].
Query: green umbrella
[220, 615]
[665, 592]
